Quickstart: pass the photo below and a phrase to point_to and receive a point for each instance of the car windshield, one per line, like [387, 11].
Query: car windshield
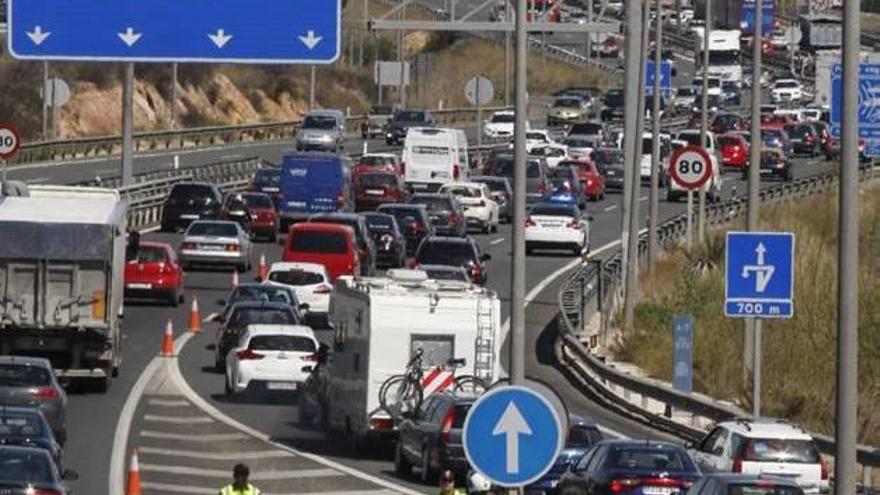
[692, 138]
[607, 157]
[296, 276]
[410, 116]
[190, 191]
[377, 161]
[377, 180]
[21, 375]
[582, 436]
[267, 178]
[786, 84]
[433, 203]
[727, 119]
[265, 316]
[266, 293]
[20, 425]
[567, 103]
[464, 191]
[536, 136]
[502, 118]
[446, 253]
[149, 254]
[25, 468]
[319, 122]
[578, 143]
[561, 173]
[212, 229]
[404, 216]
[252, 200]
[763, 488]
[291, 343]
[614, 99]
[549, 210]
[649, 457]
[319, 242]
[780, 450]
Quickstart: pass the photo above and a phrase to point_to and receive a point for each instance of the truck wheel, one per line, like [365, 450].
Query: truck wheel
[402, 467]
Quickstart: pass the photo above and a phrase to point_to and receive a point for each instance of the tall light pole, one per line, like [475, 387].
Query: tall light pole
[128, 124]
[752, 338]
[518, 280]
[654, 210]
[704, 118]
[847, 256]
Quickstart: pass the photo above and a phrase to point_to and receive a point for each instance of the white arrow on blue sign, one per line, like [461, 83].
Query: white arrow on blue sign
[512, 435]
[233, 31]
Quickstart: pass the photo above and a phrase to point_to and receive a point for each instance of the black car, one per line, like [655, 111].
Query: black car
[431, 438]
[726, 122]
[444, 211]
[267, 180]
[366, 247]
[774, 163]
[609, 162]
[390, 243]
[413, 222]
[502, 193]
[242, 314]
[27, 427]
[753, 484]
[403, 120]
[613, 104]
[630, 466]
[804, 139]
[188, 202]
[260, 292]
[30, 470]
[452, 251]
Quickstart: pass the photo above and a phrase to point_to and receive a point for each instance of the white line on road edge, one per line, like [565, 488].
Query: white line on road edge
[497, 241]
[186, 420]
[119, 453]
[217, 456]
[168, 487]
[184, 388]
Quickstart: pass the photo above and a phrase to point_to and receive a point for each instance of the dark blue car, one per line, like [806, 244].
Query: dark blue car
[583, 434]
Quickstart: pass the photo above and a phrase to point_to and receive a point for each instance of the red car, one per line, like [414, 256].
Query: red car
[593, 181]
[330, 244]
[261, 219]
[378, 162]
[154, 273]
[374, 189]
[775, 121]
[734, 150]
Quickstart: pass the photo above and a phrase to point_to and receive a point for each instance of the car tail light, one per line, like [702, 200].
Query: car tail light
[323, 289]
[623, 485]
[824, 466]
[476, 272]
[402, 169]
[414, 227]
[456, 172]
[542, 187]
[381, 424]
[530, 222]
[573, 225]
[45, 393]
[414, 265]
[161, 269]
[233, 247]
[248, 355]
[188, 245]
[448, 420]
[737, 465]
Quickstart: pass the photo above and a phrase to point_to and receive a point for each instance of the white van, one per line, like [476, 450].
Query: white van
[433, 157]
[713, 186]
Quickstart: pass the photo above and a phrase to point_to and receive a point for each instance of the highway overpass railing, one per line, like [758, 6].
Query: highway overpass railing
[592, 294]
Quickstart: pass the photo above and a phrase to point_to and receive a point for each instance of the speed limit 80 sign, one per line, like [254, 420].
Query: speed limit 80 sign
[690, 167]
[9, 140]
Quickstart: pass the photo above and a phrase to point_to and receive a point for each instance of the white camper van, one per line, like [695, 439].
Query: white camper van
[433, 157]
[379, 324]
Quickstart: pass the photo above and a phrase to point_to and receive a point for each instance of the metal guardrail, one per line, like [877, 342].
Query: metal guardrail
[650, 401]
[108, 146]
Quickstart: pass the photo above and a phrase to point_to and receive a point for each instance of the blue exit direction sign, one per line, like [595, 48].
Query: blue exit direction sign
[230, 31]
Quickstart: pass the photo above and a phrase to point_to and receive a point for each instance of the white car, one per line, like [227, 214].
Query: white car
[553, 154]
[500, 125]
[557, 226]
[309, 281]
[764, 447]
[271, 358]
[480, 209]
[538, 137]
[785, 90]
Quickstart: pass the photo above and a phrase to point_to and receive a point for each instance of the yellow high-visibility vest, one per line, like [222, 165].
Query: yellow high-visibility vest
[230, 490]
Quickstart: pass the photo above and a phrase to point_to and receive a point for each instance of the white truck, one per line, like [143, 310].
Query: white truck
[62, 255]
[434, 156]
[379, 324]
[724, 53]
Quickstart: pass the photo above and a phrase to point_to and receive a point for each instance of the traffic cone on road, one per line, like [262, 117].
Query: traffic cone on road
[235, 279]
[195, 321]
[263, 270]
[134, 476]
[168, 340]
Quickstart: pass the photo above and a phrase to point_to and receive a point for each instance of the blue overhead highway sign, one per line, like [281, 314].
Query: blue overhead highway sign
[235, 31]
[665, 77]
[747, 24]
[759, 275]
[512, 435]
[869, 100]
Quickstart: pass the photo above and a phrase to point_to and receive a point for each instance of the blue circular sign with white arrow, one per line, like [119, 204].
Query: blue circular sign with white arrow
[512, 436]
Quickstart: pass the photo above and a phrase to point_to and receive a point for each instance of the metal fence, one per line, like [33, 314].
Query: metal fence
[593, 292]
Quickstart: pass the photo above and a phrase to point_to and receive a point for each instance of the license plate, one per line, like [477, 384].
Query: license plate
[296, 204]
[611, 173]
[140, 286]
[210, 247]
[419, 186]
[375, 192]
[281, 386]
[660, 490]
[189, 217]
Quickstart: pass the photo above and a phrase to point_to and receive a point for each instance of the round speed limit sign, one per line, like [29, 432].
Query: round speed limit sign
[9, 140]
[690, 167]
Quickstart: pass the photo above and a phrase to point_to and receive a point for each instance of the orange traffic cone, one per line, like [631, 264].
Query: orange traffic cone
[263, 270]
[168, 340]
[195, 321]
[134, 476]
[235, 279]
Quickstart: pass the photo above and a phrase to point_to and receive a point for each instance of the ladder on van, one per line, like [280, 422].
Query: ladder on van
[484, 361]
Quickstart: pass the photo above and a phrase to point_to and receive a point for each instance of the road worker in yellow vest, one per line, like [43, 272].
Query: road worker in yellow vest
[240, 485]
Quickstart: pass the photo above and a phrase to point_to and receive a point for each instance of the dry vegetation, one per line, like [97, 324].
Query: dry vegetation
[799, 354]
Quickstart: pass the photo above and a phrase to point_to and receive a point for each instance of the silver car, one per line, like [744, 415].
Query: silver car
[31, 382]
[321, 130]
[216, 243]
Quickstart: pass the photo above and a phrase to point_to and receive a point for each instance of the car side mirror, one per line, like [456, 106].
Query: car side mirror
[485, 257]
[70, 475]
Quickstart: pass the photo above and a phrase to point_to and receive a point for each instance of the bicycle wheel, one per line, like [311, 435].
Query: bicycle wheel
[403, 397]
[470, 384]
[383, 390]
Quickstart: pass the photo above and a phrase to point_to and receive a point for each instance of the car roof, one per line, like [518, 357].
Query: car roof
[214, 222]
[322, 227]
[641, 443]
[294, 330]
[767, 428]
[335, 216]
[449, 240]
[429, 195]
[260, 305]
[308, 267]
[477, 185]
[26, 360]
[488, 178]
[376, 214]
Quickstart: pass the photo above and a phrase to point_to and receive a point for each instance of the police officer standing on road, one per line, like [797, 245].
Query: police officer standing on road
[240, 485]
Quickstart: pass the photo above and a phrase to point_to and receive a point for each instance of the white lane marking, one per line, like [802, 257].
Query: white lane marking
[610, 208]
[215, 456]
[195, 420]
[168, 403]
[119, 453]
[257, 475]
[203, 438]
[39, 180]
[195, 398]
[497, 241]
[231, 157]
[168, 487]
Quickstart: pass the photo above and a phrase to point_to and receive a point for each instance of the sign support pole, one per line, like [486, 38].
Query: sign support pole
[311, 88]
[174, 117]
[756, 377]
[689, 237]
[46, 100]
[704, 118]
[518, 279]
[654, 206]
[479, 114]
[127, 124]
